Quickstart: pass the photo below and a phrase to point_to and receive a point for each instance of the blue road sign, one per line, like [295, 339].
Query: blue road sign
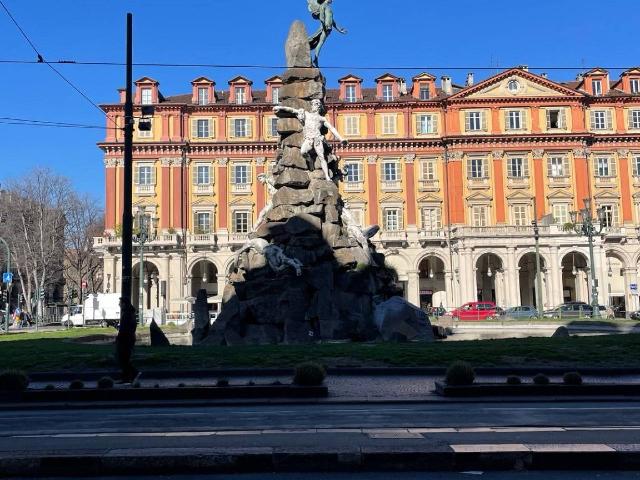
[7, 277]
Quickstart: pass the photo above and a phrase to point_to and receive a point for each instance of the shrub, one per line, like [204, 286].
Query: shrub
[572, 378]
[513, 380]
[76, 385]
[105, 382]
[50, 387]
[13, 381]
[541, 379]
[222, 382]
[460, 373]
[309, 374]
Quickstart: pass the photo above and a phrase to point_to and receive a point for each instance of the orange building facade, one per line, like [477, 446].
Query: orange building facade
[454, 175]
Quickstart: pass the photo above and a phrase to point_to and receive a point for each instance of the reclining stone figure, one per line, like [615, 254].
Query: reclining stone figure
[274, 255]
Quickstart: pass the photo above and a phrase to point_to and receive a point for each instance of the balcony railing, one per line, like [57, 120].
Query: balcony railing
[241, 188]
[498, 231]
[478, 183]
[518, 182]
[201, 239]
[432, 234]
[392, 237]
[145, 189]
[391, 185]
[429, 185]
[162, 240]
[203, 189]
[559, 181]
[353, 186]
[606, 181]
[238, 238]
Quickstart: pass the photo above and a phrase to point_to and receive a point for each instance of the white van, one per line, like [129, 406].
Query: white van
[99, 309]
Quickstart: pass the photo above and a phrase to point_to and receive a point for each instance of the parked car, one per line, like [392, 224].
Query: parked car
[475, 311]
[517, 313]
[570, 310]
[634, 315]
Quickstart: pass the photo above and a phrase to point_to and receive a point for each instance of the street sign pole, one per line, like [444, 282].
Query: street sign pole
[8, 304]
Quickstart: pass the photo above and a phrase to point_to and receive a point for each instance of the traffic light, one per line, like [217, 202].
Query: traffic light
[4, 296]
[41, 293]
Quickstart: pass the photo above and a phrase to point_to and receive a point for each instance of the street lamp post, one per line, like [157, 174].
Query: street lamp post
[584, 224]
[536, 236]
[144, 235]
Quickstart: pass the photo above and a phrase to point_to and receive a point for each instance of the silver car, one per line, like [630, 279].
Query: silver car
[523, 312]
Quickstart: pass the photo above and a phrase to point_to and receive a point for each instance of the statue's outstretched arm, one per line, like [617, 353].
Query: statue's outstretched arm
[335, 132]
[339, 28]
[281, 108]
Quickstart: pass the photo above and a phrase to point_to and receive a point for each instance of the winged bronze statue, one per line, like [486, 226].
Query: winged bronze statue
[321, 10]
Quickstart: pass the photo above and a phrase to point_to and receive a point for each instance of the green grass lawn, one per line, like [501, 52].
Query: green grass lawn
[62, 351]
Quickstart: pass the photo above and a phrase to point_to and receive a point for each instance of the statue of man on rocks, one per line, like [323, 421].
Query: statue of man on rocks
[269, 182]
[313, 123]
[321, 10]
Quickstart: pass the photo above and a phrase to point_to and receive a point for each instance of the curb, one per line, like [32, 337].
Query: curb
[257, 460]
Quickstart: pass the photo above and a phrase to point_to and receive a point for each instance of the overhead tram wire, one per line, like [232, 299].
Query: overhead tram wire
[41, 59]
[48, 123]
[282, 67]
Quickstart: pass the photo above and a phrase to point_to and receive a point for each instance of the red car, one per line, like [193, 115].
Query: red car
[475, 311]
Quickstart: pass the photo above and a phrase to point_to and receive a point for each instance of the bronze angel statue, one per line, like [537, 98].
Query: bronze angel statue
[321, 10]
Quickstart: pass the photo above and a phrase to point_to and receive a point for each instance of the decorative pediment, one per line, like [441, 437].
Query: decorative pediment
[387, 77]
[354, 199]
[606, 195]
[479, 197]
[203, 203]
[597, 71]
[274, 79]
[350, 78]
[146, 81]
[240, 80]
[430, 198]
[560, 195]
[515, 83]
[391, 199]
[424, 76]
[632, 71]
[203, 81]
[522, 196]
[241, 202]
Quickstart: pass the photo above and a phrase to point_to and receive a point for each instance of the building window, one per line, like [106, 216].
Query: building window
[513, 86]
[425, 93]
[145, 175]
[517, 167]
[241, 222]
[476, 168]
[432, 219]
[520, 215]
[389, 124]
[240, 174]
[514, 120]
[556, 119]
[601, 120]
[202, 128]
[145, 96]
[426, 124]
[241, 95]
[634, 119]
[203, 96]
[203, 175]
[273, 127]
[479, 215]
[354, 172]
[636, 164]
[392, 219]
[387, 92]
[635, 85]
[275, 95]
[148, 132]
[558, 167]
[610, 216]
[560, 213]
[597, 87]
[475, 122]
[352, 125]
[350, 93]
[241, 127]
[428, 170]
[203, 223]
[390, 172]
[604, 167]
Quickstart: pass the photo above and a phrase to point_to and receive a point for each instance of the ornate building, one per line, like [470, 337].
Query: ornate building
[452, 175]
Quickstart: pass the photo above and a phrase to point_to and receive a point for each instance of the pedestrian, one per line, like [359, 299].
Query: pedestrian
[125, 341]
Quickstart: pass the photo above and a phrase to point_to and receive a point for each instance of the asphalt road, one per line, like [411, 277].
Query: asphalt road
[403, 476]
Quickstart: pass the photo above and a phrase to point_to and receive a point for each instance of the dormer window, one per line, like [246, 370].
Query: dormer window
[203, 96]
[241, 95]
[635, 85]
[387, 92]
[275, 95]
[146, 96]
[350, 93]
[425, 94]
[597, 87]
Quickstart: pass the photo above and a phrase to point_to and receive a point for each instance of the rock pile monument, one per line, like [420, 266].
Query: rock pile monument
[309, 271]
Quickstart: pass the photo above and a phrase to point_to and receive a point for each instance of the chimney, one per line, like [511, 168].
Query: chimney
[580, 77]
[446, 85]
[544, 75]
[524, 67]
[470, 79]
[403, 87]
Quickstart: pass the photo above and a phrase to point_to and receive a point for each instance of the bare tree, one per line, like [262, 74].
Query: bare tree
[34, 213]
[82, 263]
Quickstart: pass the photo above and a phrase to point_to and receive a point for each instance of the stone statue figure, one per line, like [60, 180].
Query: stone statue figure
[268, 181]
[354, 231]
[313, 122]
[274, 255]
[321, 10]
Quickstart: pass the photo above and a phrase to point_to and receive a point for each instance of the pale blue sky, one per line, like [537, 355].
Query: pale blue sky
[382, 34]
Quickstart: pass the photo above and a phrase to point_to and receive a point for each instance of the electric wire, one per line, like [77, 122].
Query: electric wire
[48, 123]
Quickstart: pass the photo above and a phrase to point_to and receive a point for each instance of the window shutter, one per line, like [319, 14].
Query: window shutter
[562, 119]
[210, 175]
[233, 174]
[249, 127]
[636, 161]
[613, 167]
[467, 122]
[400, 219]
[136, 175]
[565, 166]
[419, 125]
[609, 120]
[194, 175]
[525, 167]
[548, 113]
[595, 167]
[630, 119]
[434, 123]
[549, 167]
[469, 169]
[153, 175]
[616, 215]
[507, 126]
[483, 117]
[232, 131]
[194, 128]
[195, 223]
[212, 124]
[593, 118]
[524, 120]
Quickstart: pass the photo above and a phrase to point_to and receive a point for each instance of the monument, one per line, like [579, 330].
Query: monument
[309, 272]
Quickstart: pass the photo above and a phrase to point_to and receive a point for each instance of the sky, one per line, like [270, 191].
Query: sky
[442, 37]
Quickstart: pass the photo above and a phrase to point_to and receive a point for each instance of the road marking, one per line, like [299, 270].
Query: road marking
[570, 447]
[489, 448]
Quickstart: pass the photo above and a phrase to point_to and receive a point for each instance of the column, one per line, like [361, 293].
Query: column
[500, 292]
[165, 128]
[413, 287]
[625, 186]
[165, 192]
[110, 220]
[111, 127]
[582, 179]
[452, 289]
[555, 273]
[371, 123]
[631, 299]
[179, 197]
[167, 280]
[260, 190]
[410, 189]
[538, 178]
[223, 193]
[468, 288]
[512, 274]
[498, 179]
[407, 123]
[601, 274]
[372, 183]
